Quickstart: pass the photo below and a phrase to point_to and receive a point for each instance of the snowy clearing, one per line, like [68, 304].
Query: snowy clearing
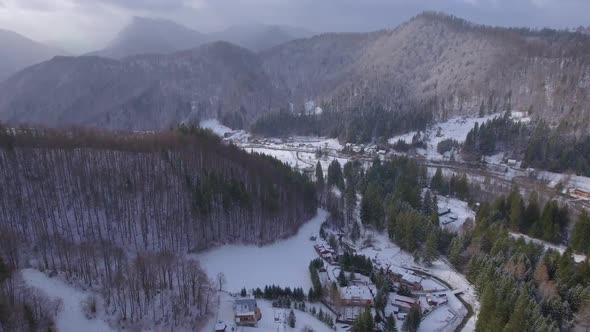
[460, 211]
[455, 128]
[559, 248]
[215, 126]
[284, 263]
[70, 318]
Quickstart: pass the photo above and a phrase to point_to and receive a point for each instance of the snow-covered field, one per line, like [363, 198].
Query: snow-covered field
[559, 248]
[70, 317]
[273, 319]
[284, 263]
[456, 128]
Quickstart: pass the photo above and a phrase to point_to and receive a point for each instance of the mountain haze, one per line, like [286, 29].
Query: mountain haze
[258, 37]
[434, 61]
[18, 52]
[140, 92]
[151, 36]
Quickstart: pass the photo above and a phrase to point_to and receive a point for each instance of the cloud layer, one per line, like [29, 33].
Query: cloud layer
[87, 24]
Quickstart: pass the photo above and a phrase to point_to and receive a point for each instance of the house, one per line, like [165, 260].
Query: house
[356, 296]
[246, 312]
[413, 281]
[404, 304]
[580, 193]
[325, 252]
[406, 278]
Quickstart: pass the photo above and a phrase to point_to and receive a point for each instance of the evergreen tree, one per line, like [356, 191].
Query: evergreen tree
[581, 234]
[486, 319]
[372, 212]
[355, 233]
[412, 322]
[481, 110]
[319, 175]
[292, 319]
[438, 182]
[455, 250]
[427, 203]
[342, 281]
[516, 210]
[430, 248]
[518, 318]
[364, 322]
[531, 214]
[389, 324]
[335, 177]
[350, 200]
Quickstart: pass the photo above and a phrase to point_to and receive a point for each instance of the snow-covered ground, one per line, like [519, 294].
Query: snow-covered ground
[456, 128]
[70, 317]
[459, 210]
[223, 131]
[385, 253]
[443, 270]
[284, 263]
[273, 319]
[446, 317]
[215, 126]
[559, 248]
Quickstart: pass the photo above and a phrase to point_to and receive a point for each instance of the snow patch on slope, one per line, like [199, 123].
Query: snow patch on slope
[215, 126]
[559, 248]
[70, 318]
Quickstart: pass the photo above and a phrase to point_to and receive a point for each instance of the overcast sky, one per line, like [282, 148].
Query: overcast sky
[84, 25]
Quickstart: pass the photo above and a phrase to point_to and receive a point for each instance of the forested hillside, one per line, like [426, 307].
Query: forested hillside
[434, 63]
[118, 211]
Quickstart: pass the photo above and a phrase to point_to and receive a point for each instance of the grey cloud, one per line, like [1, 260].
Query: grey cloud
[313, 15]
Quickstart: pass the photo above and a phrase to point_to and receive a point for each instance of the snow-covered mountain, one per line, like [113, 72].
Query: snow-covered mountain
[142, 92]
[433, 62]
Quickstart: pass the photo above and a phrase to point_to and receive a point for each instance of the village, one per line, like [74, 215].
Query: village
[446, 301]
[347, 273]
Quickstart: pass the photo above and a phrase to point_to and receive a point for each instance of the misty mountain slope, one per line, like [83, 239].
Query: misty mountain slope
[259, 37]
[443, 60]
[141, 92]
[432, 63]
[151, 36]
[18, 52]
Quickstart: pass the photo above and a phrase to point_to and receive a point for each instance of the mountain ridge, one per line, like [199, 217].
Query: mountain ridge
[18, 52]
[433, 61]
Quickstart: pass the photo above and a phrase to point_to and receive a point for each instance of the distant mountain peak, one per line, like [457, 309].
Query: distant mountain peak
[18, 52]
[147, 35]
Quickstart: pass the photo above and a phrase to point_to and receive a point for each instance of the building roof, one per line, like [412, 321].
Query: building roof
[356, 293]
[411, 278]
[245, 307]
[404, 299]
